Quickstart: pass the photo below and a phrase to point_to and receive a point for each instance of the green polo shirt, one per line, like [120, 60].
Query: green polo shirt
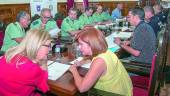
[106, 16]
[13, 30]
[98, 17]
[69, 25]
[84, 20]
[48, 26]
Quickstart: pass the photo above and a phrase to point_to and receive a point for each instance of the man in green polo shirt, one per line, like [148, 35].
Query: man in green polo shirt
[15, 32]
[86, 18]
[70, 25]
[106, 14]
[97, 16]
[46, 22]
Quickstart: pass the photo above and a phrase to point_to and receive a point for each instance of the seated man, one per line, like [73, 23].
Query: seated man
[152, 19]
[70, 25]
[97, 16]
[106, 14]
[159, 12]
[116, 13]
[46, 22]
[86, 18]
[15, 32]
[143, 43]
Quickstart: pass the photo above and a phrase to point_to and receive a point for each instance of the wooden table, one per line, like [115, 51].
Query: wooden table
[65, 86]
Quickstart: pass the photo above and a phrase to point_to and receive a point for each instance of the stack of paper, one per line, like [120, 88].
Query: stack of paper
[56, 70]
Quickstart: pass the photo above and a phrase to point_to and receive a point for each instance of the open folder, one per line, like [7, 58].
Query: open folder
[56, 70]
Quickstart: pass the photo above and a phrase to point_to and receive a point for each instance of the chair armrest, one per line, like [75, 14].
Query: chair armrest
[137, 67]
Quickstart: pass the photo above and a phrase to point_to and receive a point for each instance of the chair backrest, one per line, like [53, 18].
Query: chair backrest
[163, 42]
[157, 67]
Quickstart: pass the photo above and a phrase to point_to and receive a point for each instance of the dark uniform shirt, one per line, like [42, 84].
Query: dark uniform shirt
[144, 40]
[162, 16]
[155, 24]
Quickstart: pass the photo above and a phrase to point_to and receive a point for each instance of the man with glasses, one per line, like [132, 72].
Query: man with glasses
[46, 21]
[15, 32]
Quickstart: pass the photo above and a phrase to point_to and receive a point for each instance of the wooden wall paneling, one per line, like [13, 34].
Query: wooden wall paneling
[8, 12]
[62, 7]
[112, 5]
[23, 7]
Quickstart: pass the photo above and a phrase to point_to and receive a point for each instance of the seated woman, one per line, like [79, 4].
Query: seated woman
[106, 71]
[21, 70]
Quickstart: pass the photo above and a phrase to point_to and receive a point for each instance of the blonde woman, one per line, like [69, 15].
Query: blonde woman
[106, 72]
[21, 72]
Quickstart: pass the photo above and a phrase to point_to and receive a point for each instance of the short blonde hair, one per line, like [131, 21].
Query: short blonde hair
[29, 45]
[94, 38]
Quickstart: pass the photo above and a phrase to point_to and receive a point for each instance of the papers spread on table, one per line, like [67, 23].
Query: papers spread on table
[54, 32]
[86, 65]
[123, 35]
[56, 69]
[110, 41]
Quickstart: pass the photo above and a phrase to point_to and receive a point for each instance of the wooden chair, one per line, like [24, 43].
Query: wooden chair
[167, 67]
[141, 68]
[151, 85]
[145, 89]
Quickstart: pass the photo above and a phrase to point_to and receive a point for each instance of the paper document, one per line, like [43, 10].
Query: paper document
[123, 35]
[110, 41]
[56, 70]
[87, 65]
[54, 32]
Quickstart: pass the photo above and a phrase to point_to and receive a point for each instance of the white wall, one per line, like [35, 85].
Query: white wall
[27, 1]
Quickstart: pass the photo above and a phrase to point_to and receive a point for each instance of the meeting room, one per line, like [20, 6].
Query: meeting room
[84, 48]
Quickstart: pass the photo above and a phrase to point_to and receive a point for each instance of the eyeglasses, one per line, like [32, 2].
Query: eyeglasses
[46, 17]
[48, 46]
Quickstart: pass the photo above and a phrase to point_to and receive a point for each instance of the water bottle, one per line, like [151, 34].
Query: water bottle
[78, 52]
[57, 52]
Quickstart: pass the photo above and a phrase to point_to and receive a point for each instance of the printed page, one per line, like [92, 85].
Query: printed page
[110, 41]
[56, 70]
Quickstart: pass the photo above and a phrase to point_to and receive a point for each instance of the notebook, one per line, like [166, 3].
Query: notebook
[56, 69]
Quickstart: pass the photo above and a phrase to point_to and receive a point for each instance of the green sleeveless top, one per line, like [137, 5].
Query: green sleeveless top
[116, 78]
